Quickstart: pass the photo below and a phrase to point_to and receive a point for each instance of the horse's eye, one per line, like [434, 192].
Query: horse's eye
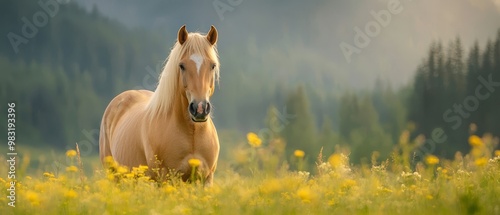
[213, 66]
[182, 67]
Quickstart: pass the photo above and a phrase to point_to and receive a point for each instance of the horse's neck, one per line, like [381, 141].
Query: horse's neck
[178, 109]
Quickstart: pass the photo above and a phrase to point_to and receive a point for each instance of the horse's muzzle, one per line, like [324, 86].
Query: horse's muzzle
[199, 111]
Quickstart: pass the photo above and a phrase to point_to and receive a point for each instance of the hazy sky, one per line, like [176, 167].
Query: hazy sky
[317, 29]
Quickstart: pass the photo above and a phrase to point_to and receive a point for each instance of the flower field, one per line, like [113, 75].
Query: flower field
[469, 184]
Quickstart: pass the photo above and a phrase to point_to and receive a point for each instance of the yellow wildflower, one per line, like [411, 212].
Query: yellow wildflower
[331, 202]
[335, 160]
[71, 169]
[143, 168]
[349, 183]
[497, 153]
[305, 194]
[193, 162]
[71, 153]
[70, 194]
[109, 161]
[384, 190]
[48, 175]
[122, 170]
[299, 153]
[254, 140]
[33, 197]
[144, 178]
[170, 189]
[444, 171]
[431, 160]
[475, 141]
[481, 161]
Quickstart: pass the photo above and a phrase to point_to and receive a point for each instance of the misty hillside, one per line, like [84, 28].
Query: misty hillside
[306, 37]
[276, 59]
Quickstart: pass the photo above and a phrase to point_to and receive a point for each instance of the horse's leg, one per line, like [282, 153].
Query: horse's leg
[209, 181]
[154, 165]
[210, 178]
[104, 148]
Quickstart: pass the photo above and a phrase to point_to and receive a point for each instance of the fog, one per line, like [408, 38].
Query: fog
[312, 32]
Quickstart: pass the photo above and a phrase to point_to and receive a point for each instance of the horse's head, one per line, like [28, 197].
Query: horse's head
[199, 69]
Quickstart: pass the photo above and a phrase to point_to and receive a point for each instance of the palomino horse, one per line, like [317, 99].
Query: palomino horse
[172, 124]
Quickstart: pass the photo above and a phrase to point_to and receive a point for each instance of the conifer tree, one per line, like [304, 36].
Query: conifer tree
[301, 132]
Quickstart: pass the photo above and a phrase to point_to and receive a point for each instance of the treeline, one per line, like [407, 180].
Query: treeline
[365, 122]
[64, 75]
[454, 90]
[452, 97]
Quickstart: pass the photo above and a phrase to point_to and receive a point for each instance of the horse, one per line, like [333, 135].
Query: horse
[173, 124]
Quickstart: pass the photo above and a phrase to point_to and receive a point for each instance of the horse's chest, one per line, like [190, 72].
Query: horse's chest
[202, 146]
[180, 147]
[186, 144]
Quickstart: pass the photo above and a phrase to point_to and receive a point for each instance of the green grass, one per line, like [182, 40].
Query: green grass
[466, 185]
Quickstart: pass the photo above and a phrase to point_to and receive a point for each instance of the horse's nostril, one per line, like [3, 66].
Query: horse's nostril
[192, 109]
[207, 110]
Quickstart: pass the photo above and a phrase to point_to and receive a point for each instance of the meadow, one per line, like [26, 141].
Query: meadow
[258, 182]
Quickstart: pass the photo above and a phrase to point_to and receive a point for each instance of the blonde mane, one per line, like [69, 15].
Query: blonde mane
[164, 95]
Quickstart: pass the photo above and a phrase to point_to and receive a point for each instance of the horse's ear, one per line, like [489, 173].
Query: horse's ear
[182, 35]
[212, 35]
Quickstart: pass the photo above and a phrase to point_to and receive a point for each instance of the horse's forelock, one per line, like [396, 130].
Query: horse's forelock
[164, 94]
[197, 44]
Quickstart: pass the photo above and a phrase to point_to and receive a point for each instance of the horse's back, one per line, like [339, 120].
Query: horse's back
[123, 108]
